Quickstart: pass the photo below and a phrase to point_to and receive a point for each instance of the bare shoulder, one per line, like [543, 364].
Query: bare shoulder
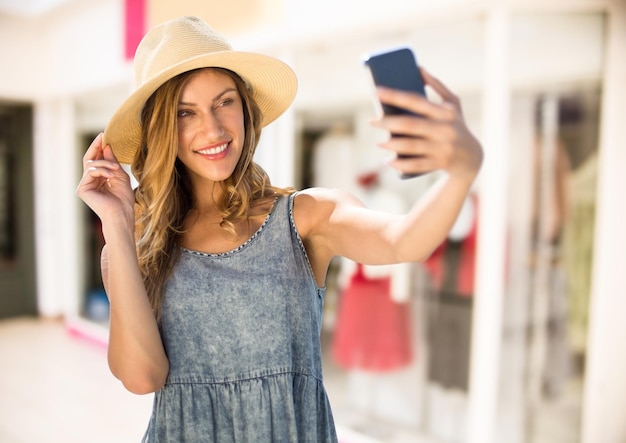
[314, 207]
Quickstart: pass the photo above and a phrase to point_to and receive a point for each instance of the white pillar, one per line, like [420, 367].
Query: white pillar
[57, 221]
[605, 386]
[276, 152]
[492, 221]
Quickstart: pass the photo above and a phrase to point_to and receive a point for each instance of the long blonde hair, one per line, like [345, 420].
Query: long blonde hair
[164, 195]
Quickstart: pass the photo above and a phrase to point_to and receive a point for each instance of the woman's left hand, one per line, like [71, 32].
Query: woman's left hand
[436, 139]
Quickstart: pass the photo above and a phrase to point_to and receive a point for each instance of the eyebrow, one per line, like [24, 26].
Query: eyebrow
[217, 97]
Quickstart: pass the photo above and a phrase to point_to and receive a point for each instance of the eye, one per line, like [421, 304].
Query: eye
[183, 113]
[226, 102]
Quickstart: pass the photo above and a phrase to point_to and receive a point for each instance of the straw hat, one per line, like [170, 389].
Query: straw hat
[184, 44]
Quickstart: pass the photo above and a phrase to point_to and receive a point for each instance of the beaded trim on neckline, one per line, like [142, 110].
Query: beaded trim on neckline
[238, 248]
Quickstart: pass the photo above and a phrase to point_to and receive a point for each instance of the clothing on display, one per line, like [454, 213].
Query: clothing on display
[578, 249]
[373, 332]
[449, 334]
[450, 307]
[373, 328]
[451, 266]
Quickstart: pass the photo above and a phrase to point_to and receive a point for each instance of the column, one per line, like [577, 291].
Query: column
[57, 221]
[605, 386]
[490, 255]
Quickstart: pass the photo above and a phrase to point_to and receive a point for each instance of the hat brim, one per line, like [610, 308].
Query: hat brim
[273, 84]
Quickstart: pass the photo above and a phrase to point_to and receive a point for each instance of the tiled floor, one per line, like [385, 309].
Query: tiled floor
[57, 388]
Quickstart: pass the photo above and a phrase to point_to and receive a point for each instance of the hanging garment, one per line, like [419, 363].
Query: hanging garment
[373, 331]
[450, 308]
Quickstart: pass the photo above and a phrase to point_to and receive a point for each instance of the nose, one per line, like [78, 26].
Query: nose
[212, 126]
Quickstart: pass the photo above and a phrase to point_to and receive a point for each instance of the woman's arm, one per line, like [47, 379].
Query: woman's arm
[334, 223]
[136, 354]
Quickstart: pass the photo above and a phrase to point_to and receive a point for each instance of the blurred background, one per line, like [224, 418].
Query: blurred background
[510, 332]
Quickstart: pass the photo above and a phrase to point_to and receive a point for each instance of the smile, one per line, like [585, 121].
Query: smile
[213, 151]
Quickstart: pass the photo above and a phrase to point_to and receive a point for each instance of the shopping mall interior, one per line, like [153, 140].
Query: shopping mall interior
[506, 333]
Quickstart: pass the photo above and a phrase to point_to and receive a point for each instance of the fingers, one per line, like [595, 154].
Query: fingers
[99, 171]
[410, 126]
[447, 110]
[97, 156]
[413, 164]
[410, 146]
[94, 152]
[99, 167]
[105, 187]
[435, 138]
[411, 152]
[108, 154]
[441, 89]
[94, 178]
[98, 152]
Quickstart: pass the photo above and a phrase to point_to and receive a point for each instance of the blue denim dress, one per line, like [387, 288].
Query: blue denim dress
[242, 333]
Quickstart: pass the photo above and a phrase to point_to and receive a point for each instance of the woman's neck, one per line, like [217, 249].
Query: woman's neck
[205, 197]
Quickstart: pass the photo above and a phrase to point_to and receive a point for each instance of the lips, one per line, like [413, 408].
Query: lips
[216, 150]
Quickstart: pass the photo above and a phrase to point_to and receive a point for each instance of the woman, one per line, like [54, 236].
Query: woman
[216, 278]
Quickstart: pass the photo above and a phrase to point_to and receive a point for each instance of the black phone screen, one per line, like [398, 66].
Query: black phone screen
[396, 69]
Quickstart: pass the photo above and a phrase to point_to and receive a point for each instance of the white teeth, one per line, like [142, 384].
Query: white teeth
[214, 151]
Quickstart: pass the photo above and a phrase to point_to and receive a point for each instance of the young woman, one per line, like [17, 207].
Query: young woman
[215, 277]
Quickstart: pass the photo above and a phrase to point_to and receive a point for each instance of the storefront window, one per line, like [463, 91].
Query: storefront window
[551, 214]
[549, 274]
[417, 385]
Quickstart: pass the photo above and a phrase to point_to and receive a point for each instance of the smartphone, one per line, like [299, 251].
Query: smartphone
[396, 68]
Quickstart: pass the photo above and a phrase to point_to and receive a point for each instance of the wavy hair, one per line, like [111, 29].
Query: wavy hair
[164, 195]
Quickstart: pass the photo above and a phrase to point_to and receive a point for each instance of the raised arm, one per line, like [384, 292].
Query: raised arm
[335, 223]
[136, 354]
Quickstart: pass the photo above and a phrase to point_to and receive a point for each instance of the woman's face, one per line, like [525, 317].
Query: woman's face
[211, 127]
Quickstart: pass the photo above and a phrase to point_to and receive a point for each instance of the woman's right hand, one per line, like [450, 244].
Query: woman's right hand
[105, 186]
[135, 350]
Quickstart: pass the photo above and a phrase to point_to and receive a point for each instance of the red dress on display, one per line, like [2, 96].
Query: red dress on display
[373, 332]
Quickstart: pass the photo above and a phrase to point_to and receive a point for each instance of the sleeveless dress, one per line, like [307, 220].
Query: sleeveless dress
[242, 333]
